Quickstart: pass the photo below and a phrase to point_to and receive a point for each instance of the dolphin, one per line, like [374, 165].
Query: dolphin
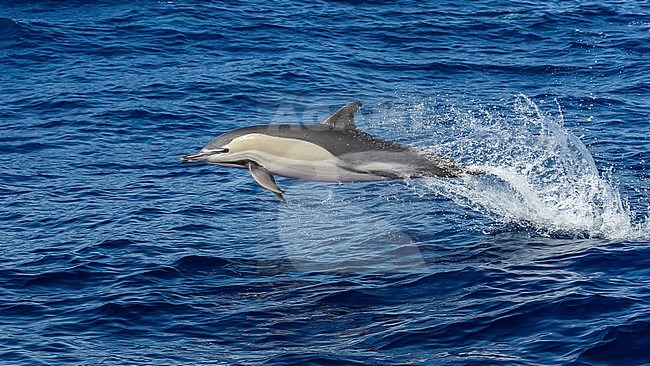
[332, 151]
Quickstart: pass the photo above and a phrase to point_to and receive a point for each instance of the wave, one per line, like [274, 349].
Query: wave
[539, 175]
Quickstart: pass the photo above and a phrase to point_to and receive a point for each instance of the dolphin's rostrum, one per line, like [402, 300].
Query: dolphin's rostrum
[332, 151]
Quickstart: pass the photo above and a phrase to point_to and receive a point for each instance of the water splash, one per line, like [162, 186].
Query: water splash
[540, 176]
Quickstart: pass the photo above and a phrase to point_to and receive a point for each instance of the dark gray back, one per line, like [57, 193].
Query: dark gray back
[335, 140]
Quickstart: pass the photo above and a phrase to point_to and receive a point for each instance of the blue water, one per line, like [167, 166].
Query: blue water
[115, 253]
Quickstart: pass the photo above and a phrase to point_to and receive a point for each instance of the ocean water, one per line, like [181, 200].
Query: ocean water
[115, 253]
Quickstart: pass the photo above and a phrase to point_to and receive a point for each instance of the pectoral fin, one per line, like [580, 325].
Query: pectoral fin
[265, 179]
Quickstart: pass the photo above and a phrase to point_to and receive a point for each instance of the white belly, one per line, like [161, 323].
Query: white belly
[324, 171]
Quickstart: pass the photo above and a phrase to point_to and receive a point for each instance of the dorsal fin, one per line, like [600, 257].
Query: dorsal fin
[344, 117]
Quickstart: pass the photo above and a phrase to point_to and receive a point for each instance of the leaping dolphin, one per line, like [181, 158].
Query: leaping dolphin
[332, 151]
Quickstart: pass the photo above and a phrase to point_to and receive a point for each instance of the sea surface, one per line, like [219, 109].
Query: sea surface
[112, 252]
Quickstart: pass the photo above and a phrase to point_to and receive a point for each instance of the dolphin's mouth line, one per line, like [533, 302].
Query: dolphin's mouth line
[201, 156]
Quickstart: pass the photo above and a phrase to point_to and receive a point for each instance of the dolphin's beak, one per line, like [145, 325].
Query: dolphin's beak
[201, 156]
[192, 158]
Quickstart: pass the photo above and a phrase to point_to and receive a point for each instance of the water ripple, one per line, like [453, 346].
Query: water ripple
[116, 253]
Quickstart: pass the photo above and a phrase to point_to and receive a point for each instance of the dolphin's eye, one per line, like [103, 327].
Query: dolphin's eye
[220, 150]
